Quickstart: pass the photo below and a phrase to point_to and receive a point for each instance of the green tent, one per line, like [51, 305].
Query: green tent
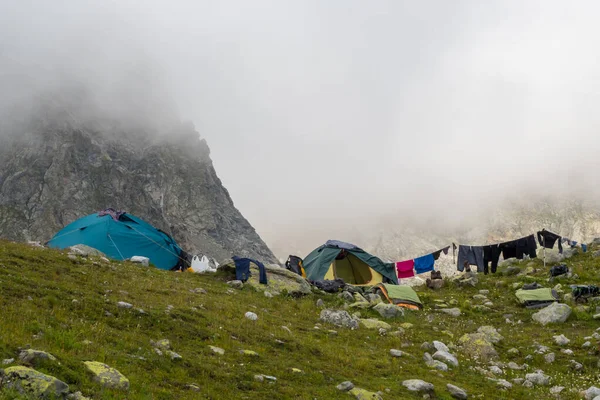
[355, 266]
[536, 298]
[400, 295]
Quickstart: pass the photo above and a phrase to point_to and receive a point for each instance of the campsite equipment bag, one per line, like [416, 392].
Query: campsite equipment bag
[559, 270]
[294, 264]
[330, 286]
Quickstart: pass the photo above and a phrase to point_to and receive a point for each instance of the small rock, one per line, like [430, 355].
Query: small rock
[439, 346]
[193, 387]
[504, 384]
[123, 304]
[297, 371]
[345, 386]
[198, 291]
[389, 310]
[591, 392]
[550, 357]
[396, 353]
[417, 385]
[285, 328]
[514, 365]
[236, 284]
[480, 297]
[445, 357]
[339, 318]
[528, 384]
[249, 353]
[268, 295]
[362, 394]
[586, 345]
[320, 303]
[538, 378]
[514, 352]
[568, 352]
[456, 392]
[163, 344]
[554, 313]
[251, 316]
[454, 312]
[576, 366]
[8, 361]
[107, 376]
[174, 356]
[217, 350]
[496, 370]
[373, 323]
[556, 389]
[484, 292]
[33, 357]
[561, 340]
[488, 304]
[490, 333]
[259, 378]
[30, 381]
[77, 396]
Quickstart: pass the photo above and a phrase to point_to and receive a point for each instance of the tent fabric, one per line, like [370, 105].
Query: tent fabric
[535, 295]
[120, 239]
[318, 262]
[402, 295]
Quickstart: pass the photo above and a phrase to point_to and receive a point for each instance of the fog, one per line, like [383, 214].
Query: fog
[323, 116]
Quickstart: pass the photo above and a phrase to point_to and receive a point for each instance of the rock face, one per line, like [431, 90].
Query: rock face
[554, 313]
[58, 167]
[31, 382]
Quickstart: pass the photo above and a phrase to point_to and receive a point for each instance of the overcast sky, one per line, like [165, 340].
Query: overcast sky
[326, 113]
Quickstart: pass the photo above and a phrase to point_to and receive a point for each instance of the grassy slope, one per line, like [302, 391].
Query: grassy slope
[53, 321]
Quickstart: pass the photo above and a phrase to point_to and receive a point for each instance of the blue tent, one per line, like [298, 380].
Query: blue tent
[120, 236]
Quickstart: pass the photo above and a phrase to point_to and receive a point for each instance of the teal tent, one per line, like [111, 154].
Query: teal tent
[120, 236]
[355, 266]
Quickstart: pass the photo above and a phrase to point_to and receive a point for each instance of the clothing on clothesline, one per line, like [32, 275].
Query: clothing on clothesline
[473, 255]
[519, 248]
[424, 264]
[242, 269]
[547, 240]
[491, 254]
[405, 269]
[436, 254]
[584, 247]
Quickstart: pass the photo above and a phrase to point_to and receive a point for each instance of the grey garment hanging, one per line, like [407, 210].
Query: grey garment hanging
[473, 255]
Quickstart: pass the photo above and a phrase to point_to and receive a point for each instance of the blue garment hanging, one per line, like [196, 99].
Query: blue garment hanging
[242, 269]
[424, 264]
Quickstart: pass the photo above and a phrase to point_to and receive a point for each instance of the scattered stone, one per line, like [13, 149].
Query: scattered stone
[484, 292]
[193, 387]
[251, 316]
[514, 365]
[259, 378]
[389, 311]
[198, 291]
[496, 370]
[518, 381]
[417, 385]
[561, 340]
[568, 352]
[454, 312]
[77, 396]
[320, 303]
[554, 313]
[268, 294]
[32, 382]
[236, 284]
[373, 323]
[428, 346]
[123, 304]
[108, 377]
[591, 393]
[556, 389]
[512, 270]
[396, 353]
[347, 296]
[406, 325]
[375, 298]
[480, 297]
[538, 378]
[488, 304]
[362, 394]
[445, 357]
[550, 357]
[345, 386]
[456, 392]
[439, 346]
[8, 361]
[491, 334]
[34, 357]
[528, 384]
[296, 371]
[576, 366]
[477, 345]
[339, 318]
[163, 344]
[174, 356]
[586, 345]
[504, 384]
[514, 352]
[285, 328]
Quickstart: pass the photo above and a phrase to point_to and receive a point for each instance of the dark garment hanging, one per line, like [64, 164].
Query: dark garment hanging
[547, 240]
[242, 269]
[491, 254]
[519, 248]
[472, 254]
[437, 254]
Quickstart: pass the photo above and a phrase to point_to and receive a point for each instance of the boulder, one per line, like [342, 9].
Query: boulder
[85, 251]
[345, 386]
[373, 323]
[456, 392]
[389, 311]
[107, 376]
[591, 393]
[339, 318]
[554, 313]
[34, 357]
[417, 385]
[477, 345]
[30, 382]
[373, 298]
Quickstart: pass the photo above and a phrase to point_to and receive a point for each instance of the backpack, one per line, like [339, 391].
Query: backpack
[294, 264]
[582, 292]
[559, 270]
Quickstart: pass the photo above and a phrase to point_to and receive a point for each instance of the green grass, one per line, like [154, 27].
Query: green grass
[56, 304]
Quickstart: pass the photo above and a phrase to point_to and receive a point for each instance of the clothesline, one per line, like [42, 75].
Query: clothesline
[481, 256]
